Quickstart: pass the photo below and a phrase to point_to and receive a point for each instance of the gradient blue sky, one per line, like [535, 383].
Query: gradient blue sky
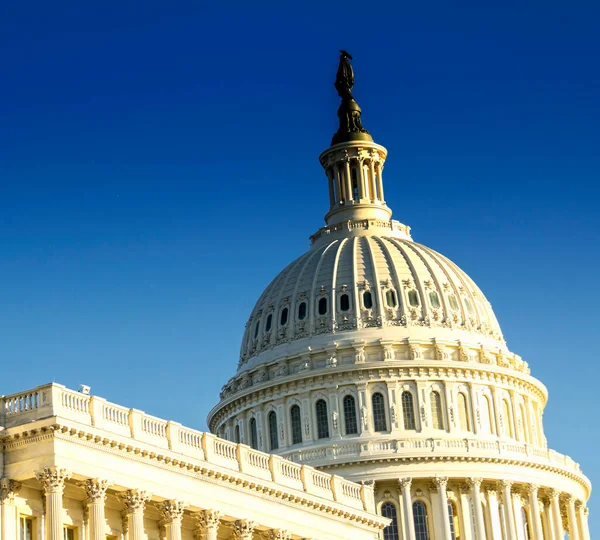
[158, 166]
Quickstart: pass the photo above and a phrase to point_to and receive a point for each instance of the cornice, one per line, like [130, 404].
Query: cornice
[580, 479]
[170, 461]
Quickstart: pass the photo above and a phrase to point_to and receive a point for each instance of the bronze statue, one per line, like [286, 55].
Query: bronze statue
[344, 80]
[351, 128]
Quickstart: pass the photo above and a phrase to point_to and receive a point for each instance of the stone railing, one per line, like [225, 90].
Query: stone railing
[420, 447]
[54, 400]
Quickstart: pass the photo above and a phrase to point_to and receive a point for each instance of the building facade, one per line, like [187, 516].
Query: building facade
[76, 467]
[378, 359]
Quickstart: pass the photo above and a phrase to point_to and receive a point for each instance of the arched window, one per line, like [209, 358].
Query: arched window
[302, 311]
[413, 298]
[322, 306]
[354, 184]
[487, 420]
[408, 410]
[437, 415]
[469, 306]
[344, 302]
[452, 301]
[508, 430]
[464, 420]
[236, 433]
[453, 518]
[253, 434]
[350, 423]
[284, 317]
[390, 298]
[296, 423]
[388, 510]
[269, 322]
[525, 435]
[273, 439]
[434, 299]
[367, 300]
[322, 420]
[256, 329]
[379, 420]
[420, 520]
[525, 520]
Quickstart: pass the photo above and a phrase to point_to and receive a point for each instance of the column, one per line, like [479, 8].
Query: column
[572, 518]
[208, 522]
[135, 501]
[95, 495]
[494, 511]
[372, 190]
[557, 525]
[53, 480]
[477, 507]
[172, 512]
[361, 178]
[380, 181]
[347, 179]
[9, 522]
[243, 529]
[582, 514]
[330, 182]
[409, 524]
[509, 510]
[441, 483]
[534, 511]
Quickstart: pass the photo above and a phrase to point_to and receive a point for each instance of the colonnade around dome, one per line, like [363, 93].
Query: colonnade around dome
[471, 508]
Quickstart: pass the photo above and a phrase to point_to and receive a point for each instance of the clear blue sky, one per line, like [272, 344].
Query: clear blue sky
[158, 166]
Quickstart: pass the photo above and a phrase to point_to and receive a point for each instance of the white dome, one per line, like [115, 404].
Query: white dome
[382, 285]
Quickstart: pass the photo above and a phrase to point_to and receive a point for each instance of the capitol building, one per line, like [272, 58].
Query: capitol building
[375, 397]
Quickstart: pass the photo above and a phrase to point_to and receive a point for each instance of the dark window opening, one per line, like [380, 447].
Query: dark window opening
[322, 306]
[367, 300]
[344, 302]
[302, 311]
[284, 317]
[269, 322]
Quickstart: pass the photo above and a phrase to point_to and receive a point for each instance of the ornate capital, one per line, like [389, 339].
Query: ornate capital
[506, 484]
[553, 493]
[475, 483]
[53, 479]
[8, 489]
[405, 483]
[279, 534]
[464, 488]
[491, 491]
[568, 498]
[243, 529]
[95, 490]
[578, 505]
[207, 520]
[134, 500]
[532, 489]
[440, 482]
[171, 510]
